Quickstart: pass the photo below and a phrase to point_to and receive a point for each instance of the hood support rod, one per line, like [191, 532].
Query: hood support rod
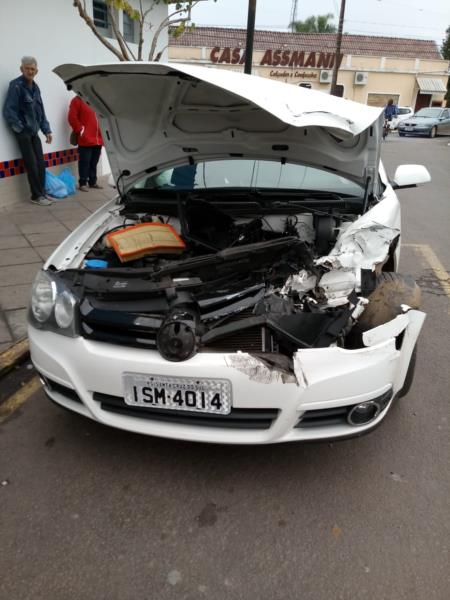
[250, 36]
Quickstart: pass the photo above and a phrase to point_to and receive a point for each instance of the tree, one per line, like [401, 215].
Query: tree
[178, 22]
[445, 49]
[313, 24]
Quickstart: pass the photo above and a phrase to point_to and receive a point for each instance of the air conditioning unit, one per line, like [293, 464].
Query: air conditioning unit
[361, 78]
[325, 76]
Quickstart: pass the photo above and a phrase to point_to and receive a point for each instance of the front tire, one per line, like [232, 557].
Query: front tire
[433, 132]
[392, 290]
[401, 134]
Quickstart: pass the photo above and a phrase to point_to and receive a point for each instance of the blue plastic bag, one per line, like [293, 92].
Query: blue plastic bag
[54, 187]
[69, 180]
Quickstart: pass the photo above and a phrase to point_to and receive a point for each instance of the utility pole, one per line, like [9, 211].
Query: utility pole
[338, 49]
[293, 15]
[250, 36]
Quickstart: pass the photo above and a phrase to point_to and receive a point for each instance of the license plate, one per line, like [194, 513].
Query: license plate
[195, 394]
[407, 128]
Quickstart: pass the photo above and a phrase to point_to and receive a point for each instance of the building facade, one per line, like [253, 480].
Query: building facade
[53, 32]
[371, 69]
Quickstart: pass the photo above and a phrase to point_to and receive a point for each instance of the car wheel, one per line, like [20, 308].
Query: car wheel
[401, 134]
[409, 375]
[433, 132]
[392, 290]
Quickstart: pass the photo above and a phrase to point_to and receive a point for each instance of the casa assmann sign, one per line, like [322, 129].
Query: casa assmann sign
[277, 58]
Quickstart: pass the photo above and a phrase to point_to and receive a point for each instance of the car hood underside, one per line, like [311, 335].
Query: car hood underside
[156, 115]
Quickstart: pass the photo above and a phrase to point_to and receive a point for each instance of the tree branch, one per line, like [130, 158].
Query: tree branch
[118, 35]
[129, 49]
[90, 23]
[167, 22]
[141, 31]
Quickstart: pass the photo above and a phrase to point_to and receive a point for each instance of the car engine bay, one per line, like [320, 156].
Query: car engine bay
[252, 276]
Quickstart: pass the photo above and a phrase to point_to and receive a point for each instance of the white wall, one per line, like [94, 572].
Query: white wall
[53, 32]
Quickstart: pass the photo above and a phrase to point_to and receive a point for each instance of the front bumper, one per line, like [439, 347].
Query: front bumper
[415, 130]
[87, 378]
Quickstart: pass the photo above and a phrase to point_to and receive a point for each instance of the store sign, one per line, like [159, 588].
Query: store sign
[277, 58]
[292, 74]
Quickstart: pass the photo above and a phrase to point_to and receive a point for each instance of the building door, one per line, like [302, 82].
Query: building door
[422, 101]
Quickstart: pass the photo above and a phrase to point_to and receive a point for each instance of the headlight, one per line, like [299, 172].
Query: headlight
[53, 306]
[64, 309]
[43, 297]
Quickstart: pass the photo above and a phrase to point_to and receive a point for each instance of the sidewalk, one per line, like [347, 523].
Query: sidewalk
[28, 235]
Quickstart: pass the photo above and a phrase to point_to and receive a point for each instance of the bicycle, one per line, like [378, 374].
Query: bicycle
[386, 129]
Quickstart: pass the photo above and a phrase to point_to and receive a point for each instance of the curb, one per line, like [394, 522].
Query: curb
[14, 355]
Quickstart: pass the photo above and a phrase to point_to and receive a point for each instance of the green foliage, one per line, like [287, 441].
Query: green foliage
[445, 48]
[314, 24]
[126, 7]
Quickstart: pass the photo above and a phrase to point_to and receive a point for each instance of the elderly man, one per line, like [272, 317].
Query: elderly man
[25, 114]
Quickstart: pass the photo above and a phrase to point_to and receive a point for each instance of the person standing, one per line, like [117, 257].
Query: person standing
[390, 110]
[25, 114]
[84, 123]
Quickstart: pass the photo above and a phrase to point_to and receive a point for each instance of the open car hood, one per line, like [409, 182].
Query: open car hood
[156, 115]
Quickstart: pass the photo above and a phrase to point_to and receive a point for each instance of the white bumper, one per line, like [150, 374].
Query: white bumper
[326, 378]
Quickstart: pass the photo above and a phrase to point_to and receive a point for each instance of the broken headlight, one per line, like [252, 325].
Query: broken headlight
[53, 306]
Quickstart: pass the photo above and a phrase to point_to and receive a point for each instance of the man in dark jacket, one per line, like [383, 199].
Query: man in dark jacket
[25, 114]
[84, 123]
[390, 110]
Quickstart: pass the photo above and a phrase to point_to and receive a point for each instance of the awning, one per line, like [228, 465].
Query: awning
[428, 85]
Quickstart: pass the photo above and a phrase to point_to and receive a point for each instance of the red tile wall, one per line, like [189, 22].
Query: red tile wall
[9, 168]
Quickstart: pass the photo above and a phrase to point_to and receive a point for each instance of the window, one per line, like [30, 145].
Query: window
[381, 99]
[128, 28]
[248, 174]
[100, 14]
[432, 113]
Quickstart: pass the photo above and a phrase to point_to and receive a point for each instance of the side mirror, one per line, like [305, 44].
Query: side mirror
[410, 175]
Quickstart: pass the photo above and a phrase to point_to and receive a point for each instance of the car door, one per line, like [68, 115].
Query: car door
[444, 125]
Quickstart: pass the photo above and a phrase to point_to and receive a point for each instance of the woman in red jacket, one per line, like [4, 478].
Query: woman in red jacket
[83, 121]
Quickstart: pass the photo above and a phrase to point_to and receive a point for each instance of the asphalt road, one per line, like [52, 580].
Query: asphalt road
[88, 512]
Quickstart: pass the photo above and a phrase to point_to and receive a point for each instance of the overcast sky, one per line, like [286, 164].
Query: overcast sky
[425, 19]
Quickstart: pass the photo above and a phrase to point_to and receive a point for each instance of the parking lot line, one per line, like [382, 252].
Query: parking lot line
[18, 398]
[435, 264]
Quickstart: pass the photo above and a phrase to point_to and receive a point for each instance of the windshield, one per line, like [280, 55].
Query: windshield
[404, 111]
[429, 112]
[248, 174]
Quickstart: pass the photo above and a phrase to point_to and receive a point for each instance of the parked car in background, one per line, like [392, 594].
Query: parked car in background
[430, 122]
[242, 286]
[404, 112]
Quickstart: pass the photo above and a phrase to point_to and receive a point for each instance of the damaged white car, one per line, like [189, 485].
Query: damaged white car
[243, 286]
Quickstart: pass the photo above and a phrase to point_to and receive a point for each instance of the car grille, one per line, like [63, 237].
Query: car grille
[239, 418]
[121, 329]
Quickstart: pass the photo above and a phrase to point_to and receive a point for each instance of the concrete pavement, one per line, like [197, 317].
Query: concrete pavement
[28, 235]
